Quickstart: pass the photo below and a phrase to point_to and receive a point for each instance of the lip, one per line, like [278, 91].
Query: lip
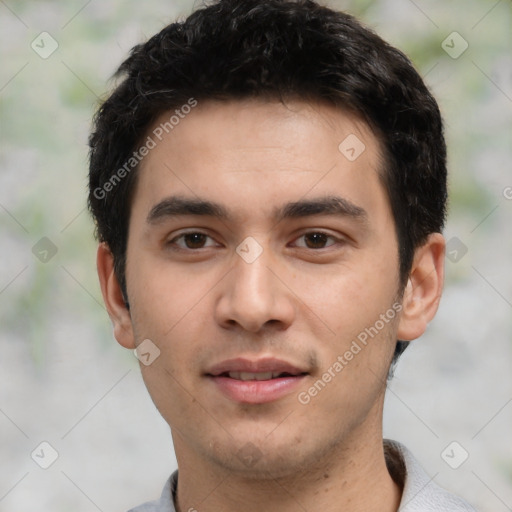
[256, 391]
[267, 364]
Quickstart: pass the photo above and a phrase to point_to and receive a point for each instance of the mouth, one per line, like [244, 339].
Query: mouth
[248, 376]
[255, 382]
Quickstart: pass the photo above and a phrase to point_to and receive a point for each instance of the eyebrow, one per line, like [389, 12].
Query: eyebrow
[329, 205]
[174, 206]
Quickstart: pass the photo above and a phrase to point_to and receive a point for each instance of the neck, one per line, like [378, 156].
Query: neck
[352, 478]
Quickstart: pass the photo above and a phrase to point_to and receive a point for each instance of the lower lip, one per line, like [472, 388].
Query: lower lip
[256, 391]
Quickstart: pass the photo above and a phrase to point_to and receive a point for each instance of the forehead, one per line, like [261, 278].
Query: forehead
[252, 154]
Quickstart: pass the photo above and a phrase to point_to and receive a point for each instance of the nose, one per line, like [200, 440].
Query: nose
[254, 296]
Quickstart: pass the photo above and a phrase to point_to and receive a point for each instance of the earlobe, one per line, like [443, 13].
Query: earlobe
[424, 287]
[113, 297]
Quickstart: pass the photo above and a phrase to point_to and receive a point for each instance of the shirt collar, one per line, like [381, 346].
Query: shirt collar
[420, 492]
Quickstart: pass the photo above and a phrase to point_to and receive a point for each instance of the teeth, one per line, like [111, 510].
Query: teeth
[254, 376]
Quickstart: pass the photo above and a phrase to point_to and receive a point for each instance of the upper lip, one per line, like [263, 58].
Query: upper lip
[268, 364]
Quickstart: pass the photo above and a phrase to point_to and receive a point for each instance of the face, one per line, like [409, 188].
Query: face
[262, 262]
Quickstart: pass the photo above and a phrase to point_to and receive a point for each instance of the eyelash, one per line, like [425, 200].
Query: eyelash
[183, 235]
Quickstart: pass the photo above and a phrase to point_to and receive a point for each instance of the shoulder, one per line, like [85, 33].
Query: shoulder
[166, 501]
[420, 492]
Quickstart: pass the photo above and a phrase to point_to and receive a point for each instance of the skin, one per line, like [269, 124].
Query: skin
[304, 300]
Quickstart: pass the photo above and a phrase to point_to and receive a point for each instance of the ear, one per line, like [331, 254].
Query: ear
[424, 287]
[113, 297]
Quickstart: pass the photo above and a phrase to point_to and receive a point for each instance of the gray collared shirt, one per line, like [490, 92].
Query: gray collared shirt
[420, 493]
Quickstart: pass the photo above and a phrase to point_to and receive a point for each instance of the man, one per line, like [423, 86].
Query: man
[268, 183]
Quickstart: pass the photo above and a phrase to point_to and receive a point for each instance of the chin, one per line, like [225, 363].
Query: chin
[261, 458]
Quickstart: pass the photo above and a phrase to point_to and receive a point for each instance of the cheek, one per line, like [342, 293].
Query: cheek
[350, 296]
[350, 302]
[164, 298]
[170, 315]
[173, 323]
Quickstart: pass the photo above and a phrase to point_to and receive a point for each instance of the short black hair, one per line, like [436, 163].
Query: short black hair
[277, 49]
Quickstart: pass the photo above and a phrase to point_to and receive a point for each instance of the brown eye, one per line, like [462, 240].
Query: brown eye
[193, 240]
[316, 240]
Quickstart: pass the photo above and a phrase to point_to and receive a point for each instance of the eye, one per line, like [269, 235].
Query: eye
[192, 240]
[316, 240]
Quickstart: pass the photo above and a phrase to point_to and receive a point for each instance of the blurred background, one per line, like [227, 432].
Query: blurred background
[66, 382]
